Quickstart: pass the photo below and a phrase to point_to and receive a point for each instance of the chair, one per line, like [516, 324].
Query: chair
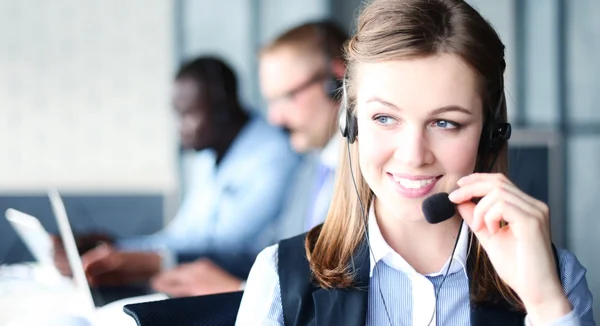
[210, 310]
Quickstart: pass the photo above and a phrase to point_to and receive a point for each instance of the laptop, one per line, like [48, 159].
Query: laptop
[38, 241]
[35, 237]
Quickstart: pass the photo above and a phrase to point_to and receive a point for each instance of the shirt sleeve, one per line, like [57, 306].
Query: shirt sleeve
[231, 226]
[261, 303]
[242, 217]
[577, 291]
[569, 319]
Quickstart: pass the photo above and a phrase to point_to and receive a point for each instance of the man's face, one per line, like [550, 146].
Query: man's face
[195, 128]
[295, 90]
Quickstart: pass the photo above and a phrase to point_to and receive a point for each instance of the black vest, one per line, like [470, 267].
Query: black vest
[306, 304]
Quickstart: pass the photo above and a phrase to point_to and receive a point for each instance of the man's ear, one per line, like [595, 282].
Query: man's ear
[338, 68]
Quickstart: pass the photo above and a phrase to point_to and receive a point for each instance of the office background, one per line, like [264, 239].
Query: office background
[85, 85]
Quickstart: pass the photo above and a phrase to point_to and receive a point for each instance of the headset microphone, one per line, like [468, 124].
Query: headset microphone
[438, 208]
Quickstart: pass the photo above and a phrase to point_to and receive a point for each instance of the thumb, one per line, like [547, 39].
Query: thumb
[99, 260]
[56, 242]
[466, 211]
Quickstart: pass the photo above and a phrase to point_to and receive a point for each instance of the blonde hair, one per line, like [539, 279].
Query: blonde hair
[397, 30]
[313, 39]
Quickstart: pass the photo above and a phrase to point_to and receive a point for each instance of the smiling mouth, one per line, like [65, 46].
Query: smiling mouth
[415, 184]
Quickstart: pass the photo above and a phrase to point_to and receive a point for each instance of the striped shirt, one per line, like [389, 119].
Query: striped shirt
[411, 300]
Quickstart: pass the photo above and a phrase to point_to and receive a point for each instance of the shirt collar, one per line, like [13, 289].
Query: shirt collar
[382, 251]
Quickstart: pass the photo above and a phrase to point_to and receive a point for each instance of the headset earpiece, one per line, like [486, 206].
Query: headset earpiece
[500, 135]
[498, 132]
[494, 135]
[351, 127]
[347, 121]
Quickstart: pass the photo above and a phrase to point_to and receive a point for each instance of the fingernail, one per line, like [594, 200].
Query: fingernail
[452, 196]
[102, 248]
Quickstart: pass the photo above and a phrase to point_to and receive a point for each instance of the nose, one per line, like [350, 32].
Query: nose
[412, 148]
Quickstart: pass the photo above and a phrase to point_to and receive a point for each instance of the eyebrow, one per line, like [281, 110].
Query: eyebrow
[447, 108]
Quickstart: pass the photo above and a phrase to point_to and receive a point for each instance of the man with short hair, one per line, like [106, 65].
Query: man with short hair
[241, 172]
[300, 74]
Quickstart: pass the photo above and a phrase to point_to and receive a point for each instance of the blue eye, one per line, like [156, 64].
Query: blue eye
[445, 124]
[384, 120]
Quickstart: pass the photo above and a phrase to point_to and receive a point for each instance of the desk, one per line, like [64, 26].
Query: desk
[32, 305]
[24, 300]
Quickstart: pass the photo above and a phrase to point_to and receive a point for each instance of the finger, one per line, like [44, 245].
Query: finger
[502, 194]
[156, 282]
[505, 182]
[472, 190]
[175, 287]
[478, 177]
[100, 260]
[57, 243]
[65, 271]
[506, 211]
[484, 188]
[466, 211]
[63, 267]
[169, 288]
[494, 216]
[160, 284]
[477, 226]
[178, 292]
[165, 280]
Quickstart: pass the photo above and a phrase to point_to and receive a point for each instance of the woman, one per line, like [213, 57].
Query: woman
[425, 110]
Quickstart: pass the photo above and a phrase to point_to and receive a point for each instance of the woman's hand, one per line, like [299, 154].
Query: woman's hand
[520, 251]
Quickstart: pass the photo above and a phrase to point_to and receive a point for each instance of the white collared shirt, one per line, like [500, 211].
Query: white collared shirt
[422, 288]
[408, 296]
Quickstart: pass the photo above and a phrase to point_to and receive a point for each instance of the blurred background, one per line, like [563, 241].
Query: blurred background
[85, 103]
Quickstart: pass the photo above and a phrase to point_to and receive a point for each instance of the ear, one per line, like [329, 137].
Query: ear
[338, 68]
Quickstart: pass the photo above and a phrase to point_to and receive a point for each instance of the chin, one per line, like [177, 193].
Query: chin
[406, 209]
[299, 143]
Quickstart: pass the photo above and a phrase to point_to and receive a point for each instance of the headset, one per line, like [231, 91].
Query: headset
[493, 136]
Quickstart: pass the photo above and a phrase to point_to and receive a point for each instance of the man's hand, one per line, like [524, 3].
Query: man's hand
[60, 257]
[84, 244]
[105, 265]
[201, 277]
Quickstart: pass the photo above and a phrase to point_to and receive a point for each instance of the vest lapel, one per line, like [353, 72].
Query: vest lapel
[494, 316]
[346, 307]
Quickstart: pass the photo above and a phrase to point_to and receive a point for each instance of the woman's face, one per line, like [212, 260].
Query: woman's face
[419, 125]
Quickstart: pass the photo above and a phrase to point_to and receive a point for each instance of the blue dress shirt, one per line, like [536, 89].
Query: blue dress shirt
[227, 205]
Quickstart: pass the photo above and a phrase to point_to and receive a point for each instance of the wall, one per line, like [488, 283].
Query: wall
[84, 89]
[582, 118]
[236, 29]
[84, 101]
